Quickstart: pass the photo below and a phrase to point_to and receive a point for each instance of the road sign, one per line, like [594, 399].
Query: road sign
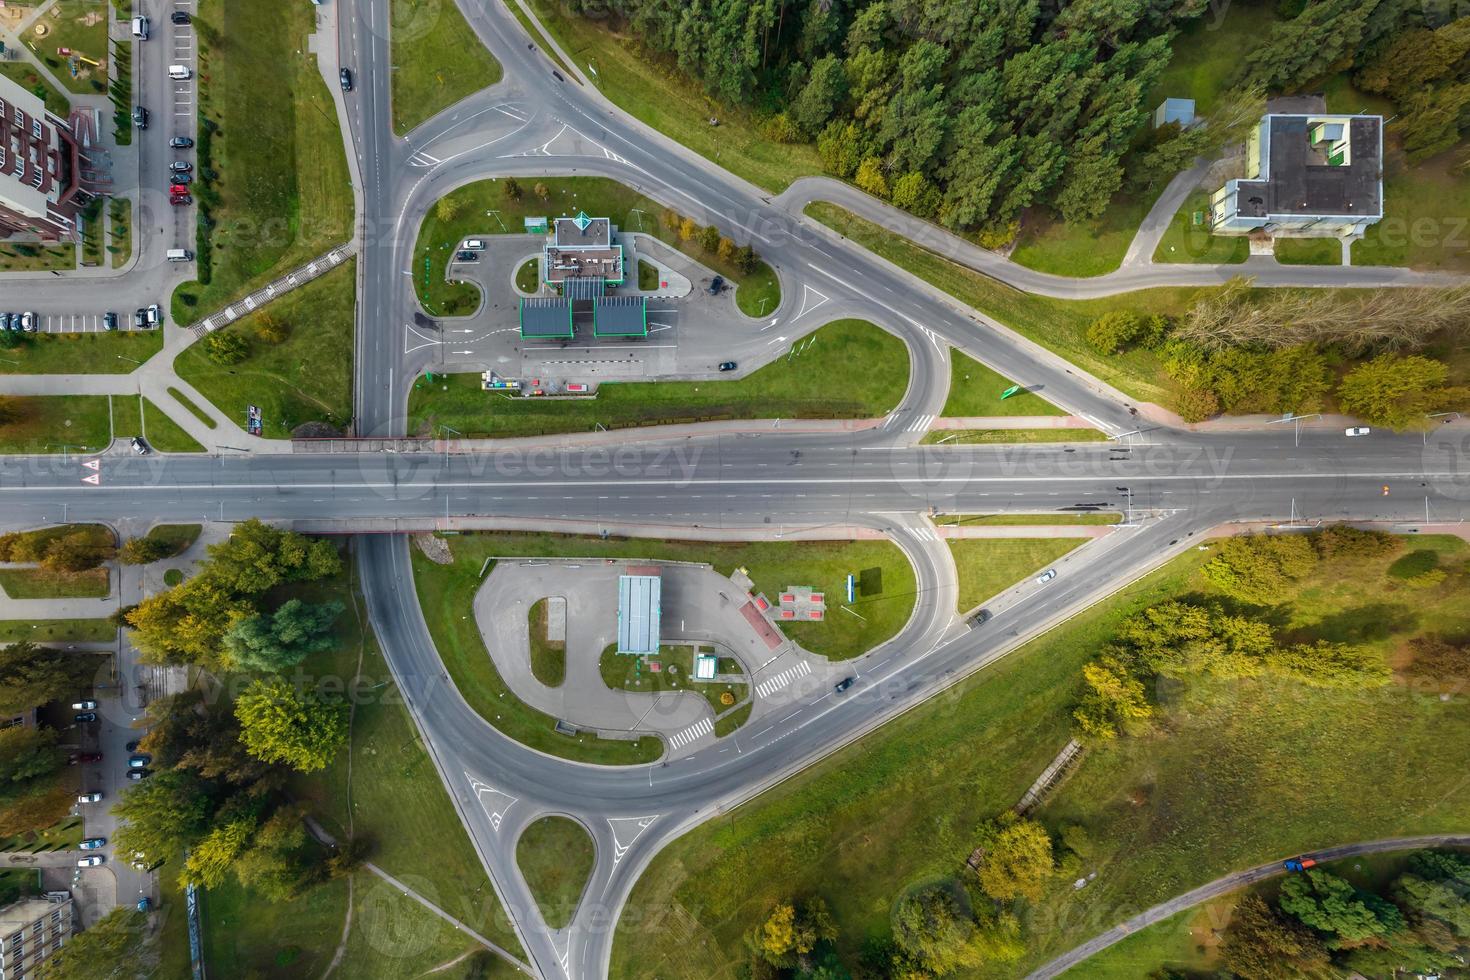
[1012, 390]
[92, 464]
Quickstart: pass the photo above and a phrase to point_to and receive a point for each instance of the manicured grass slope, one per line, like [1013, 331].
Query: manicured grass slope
[437, 60]
[975, 390]
[988, 566]
[108, 352]
[56, 423]
[555, 855]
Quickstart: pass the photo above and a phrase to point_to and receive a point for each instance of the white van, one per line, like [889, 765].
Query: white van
[179, 72]
[140, 28]
[473, 244]
[180, 255]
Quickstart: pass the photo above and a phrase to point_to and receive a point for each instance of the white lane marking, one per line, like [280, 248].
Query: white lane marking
[773, 684]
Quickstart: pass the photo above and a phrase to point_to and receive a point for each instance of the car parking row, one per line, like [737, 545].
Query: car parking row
[143, 318]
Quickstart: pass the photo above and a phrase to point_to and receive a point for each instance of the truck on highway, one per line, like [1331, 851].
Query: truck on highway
[1299, 863]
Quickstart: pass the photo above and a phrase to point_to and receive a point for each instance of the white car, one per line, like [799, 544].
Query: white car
[1358, 430]
[1046, 576]
[89, 862]
[87, 705]
[92, 797]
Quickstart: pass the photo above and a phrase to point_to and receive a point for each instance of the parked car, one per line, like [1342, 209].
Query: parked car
[89, 862]
[89, 757]
[136, 774]
[345, 75]
[28, 322]
[139, 761]
[180, 200]
[1046, 576]
[155, 315]
[93, 797]
[140, 117]
[85, 717]
[87, 705]
[109, 320]
[727, 365]
[181, 166]
[4, 321]
[140, 318]
[92, 843]
[180, 142]
[1359, 430]
[179, 180]
[465, 255]
[145, 903]
[139, 446]
[178, 17]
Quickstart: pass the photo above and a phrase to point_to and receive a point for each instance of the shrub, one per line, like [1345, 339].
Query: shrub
[1196, 404]
[226, 347]
[780, 129]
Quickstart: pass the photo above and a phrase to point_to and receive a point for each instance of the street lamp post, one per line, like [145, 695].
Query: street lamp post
[1129, 492]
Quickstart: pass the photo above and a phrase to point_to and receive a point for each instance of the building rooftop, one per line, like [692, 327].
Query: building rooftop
[583, 232]
[1318, 165]
[639, 602]
[620, 316]
[546, 316]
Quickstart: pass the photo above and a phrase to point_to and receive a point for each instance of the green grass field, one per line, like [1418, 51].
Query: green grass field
[437, 60]
[284, 191]
[26, 76]
[624, 672]
[179, 537]
[1181, 942]
[598, 196]
[652, 89]
[528, 276]
[548, 658]
[1423, 222]
[193, 407]
[80, 26]
[1059, 325]
[1308, 251]
[975, 390]
[163, 433]
[57, 631]
[1208, 51]
[305, 378]
[104, 352]
[988, 566]
[555, 855]
[647, 275]
[1189, 241]
[1046, 243]
[120, 231]
[24, 257]
[988, 437]
[863, 373]
[901, 805]
[40, 583]
[55, 424]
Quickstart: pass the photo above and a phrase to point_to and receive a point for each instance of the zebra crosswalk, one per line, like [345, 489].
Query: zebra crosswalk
[693, 733]
[771, 685]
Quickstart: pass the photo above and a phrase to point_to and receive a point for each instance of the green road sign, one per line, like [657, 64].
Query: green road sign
[1012, 390]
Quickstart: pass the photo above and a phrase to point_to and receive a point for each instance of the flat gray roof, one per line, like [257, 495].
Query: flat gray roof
[546, 316]
[620, 316]
[638, 613]
[1301, 180]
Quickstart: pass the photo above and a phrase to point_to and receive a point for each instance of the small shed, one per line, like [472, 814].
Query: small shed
[1179, 111]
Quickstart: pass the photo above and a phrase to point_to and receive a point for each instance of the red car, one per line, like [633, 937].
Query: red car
[179, 200]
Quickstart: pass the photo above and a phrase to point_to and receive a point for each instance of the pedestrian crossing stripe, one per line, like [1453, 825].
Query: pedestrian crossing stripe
[693, 733]
[773, 684]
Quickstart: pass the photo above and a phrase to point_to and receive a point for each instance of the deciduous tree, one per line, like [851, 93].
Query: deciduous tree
[280, 724]
[1017, 862]
[1259, 944]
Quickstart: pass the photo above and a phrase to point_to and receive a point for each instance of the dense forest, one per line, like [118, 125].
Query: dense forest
[969, 111]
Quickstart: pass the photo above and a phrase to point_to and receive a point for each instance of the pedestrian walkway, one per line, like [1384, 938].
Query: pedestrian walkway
[773, 684]
[692, 734]
[292, 280]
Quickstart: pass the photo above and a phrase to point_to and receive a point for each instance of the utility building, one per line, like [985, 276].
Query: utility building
[583, 248]
[639, 598]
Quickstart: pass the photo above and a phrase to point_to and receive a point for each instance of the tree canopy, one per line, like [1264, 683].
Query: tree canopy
[280, 724]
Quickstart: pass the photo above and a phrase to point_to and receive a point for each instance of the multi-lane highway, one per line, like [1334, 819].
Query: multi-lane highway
[1177, 484]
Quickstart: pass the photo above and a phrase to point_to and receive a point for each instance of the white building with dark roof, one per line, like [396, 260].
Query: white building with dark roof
[40, 168]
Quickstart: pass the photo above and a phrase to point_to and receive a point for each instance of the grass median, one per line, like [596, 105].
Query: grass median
[975, 390]
[298, 365]
[846, 369]
[993, 437]
[901, 805]
[555, 855]
[57, 631]
[273, 189]
[163, 433]
[104, 352]
[989, 566]
[437, 60]
[55, 423]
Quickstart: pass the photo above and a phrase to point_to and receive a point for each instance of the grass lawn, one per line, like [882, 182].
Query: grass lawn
[624, 672]
[163, 433]
[1024, 520]
[446, 593]
[305, 378]
[599, 196]
[528, 276]
[1182, 942]
[244, 934]
[988, 566]
[395, 797]
[1308, 251]
[120, 214]
[1057, 324]
[81, 26]
[863, 370]
[284, 194]
[901, 805]
[970, 437]
[548, 658]
[437, 60]
[24, 257]
[653, 89]
[1189, 240]
[647, 275]
[179, 537]
[536, 35]
[974, 390]
[172, 577]
[57, 631]
[1423, 222]
[25, 75]
[57, 423]
[63, 835]
[93, 239]
[193, 407]
[727, 723]
[1208, 51]
[41, 583]
[1046, 243]
[555, 856]
[104, 352]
